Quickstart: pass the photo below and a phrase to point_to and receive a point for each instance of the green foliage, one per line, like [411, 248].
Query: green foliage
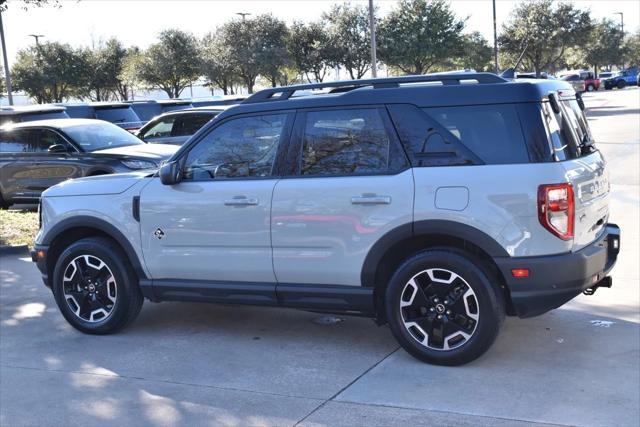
[350, 38]
[310, 48]
[546, 29]
[172, 64]
[476, 53]
[216, 62]
[632, 50]
[418, 35]
[50, 72]
[102, 75]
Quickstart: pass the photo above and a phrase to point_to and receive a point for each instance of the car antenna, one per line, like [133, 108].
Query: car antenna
[510, 73]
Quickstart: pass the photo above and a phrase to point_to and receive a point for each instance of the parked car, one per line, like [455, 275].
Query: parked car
[219, 100]
[575, 81]
[31, 113]
[79, 110]
[591, 82]
[173, 104]
[146, 110]
[622, 79]
[118, 113]
[37, 155]
[605, 75]
[435, 208]
[175, 127]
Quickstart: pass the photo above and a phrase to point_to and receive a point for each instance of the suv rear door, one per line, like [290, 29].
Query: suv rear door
[348, 186]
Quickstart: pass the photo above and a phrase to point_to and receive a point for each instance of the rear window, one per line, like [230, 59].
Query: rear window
[188, 124]
[491, 132]
[119, 116]
[568, 130]
[43, 116]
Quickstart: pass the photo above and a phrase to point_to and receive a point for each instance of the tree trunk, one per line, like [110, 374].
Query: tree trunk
[274, 82]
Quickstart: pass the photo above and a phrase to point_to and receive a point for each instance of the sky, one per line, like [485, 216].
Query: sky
[137, 22]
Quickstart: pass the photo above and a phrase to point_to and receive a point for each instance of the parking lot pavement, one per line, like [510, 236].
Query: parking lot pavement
[196, 364]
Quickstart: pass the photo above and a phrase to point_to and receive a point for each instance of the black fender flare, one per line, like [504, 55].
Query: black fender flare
[423, 228]
[98, 224]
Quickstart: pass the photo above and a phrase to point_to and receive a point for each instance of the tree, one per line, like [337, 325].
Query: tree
[310, 49]
[602, 47]
[4, 4]
[349, 35]
[103, 74]
[216, 62]
[272, 35]
[632, 49]
[129, 76]
[547, 31]
[419, 34]
[49, 72]
[172, 64]
[476, 53]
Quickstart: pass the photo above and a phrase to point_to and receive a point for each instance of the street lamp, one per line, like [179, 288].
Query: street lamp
[372, 30]
[622, 30]
[37, 37]
[243, 14]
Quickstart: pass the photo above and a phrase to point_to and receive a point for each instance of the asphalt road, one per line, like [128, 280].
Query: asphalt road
[194, 364]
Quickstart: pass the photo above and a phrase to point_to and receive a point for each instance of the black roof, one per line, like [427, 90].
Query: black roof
[431, 90]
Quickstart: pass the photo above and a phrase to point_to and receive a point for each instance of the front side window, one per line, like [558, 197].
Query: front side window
[345, 142]
[161, 129]
[15, 141]
[239, 148]
[46, 138]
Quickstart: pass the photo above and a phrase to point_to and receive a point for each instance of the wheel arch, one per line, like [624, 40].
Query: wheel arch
[398, 244]
[72, 229]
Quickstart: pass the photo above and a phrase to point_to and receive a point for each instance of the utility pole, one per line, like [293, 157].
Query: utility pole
[622, 36]
[495, 39]
[37, 37]
[243, 14]
[7, 74]
[372, 30]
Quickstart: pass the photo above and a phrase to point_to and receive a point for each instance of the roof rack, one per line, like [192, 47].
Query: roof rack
[285, 92]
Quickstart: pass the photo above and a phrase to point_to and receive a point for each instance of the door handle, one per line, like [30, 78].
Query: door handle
[371, 199]
[241, 201]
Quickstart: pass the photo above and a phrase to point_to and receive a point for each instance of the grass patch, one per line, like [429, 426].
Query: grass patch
[18, 227]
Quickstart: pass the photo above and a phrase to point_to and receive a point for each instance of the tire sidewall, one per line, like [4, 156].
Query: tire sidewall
[120, 272]
[491, 308]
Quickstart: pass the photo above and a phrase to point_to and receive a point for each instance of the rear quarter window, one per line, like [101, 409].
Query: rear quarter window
[491, 132]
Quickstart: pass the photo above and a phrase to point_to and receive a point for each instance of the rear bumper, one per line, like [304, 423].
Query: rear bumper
[556, 279]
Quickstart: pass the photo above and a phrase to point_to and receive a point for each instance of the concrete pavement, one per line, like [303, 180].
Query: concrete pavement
[197, 364]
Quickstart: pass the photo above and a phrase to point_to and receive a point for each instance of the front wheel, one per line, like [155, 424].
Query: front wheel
[443, 308]
[95, 287]
[621, 84]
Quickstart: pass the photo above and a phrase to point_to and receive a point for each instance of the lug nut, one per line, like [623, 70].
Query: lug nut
[446, 302]
[432, 309]
[435, 300]
[439, 316]
[449, 312]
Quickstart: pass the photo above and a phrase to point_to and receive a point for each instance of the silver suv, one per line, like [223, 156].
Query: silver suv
[437, 204]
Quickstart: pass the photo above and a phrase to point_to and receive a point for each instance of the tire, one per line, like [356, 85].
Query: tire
[470, 291]
[621, 84]
[591, 88]
[95, 287]
[3, 203]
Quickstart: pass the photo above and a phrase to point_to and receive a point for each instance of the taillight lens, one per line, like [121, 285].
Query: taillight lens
[556, 209]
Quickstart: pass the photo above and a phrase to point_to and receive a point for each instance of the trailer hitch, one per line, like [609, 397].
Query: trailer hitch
[606, 282]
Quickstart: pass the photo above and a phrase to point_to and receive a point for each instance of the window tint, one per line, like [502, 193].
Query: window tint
[491, 132]
[161, 129]
[188, 124]
[243, 147]
[117, 115]
[559, 133]
[344, 142]
[45, 138]
[15, 141]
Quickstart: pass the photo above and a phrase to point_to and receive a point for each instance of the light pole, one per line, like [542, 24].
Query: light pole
[372, 30]
[495, 39]
[37, 37]
[243, 14]
[7, 74]
[622, 30]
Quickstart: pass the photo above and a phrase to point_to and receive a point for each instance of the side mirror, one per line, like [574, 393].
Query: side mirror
[170, 173]
[57, 148]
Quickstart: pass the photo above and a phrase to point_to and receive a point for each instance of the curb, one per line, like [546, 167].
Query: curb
[14, 250]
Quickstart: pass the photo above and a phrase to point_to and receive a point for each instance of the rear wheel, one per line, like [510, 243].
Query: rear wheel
[3, 203]
[95, 287]
[443, 308]
[590, 88]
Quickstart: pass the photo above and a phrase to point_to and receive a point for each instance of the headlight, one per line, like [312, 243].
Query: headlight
[139, 164]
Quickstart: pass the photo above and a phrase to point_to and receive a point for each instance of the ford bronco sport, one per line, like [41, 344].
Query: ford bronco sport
[436, 204]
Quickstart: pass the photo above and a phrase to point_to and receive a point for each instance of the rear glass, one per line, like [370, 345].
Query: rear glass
[118, 116]
[491, 132]
[568, 130]
[43, 116]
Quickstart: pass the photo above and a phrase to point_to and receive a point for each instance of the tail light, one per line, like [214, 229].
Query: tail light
[556, 209]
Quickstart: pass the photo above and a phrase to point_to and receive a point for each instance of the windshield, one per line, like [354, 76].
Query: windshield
[99, 136]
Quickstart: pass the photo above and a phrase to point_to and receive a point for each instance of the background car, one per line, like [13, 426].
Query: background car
[173, 104]
[118, 113]
[176, 127]
[146, 110]
[576, 82]
[620, 80]
[605, 75]
[30, 113]
[37, 155]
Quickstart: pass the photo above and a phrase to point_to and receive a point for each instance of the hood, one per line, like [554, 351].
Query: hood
[155, 152]
[94, 185]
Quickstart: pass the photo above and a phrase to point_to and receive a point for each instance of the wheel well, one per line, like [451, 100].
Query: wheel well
[400, 251]
[69, 236]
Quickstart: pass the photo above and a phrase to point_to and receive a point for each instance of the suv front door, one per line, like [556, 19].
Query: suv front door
[214, 225]
[351, 185]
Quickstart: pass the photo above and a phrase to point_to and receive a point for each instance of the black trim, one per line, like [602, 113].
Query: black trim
[214, 291]
[423, 228]
[98, 224]
[555, 279]
[135, 208]
[332, 298]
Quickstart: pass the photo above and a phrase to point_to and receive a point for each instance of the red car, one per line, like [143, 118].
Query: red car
[591, 83]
